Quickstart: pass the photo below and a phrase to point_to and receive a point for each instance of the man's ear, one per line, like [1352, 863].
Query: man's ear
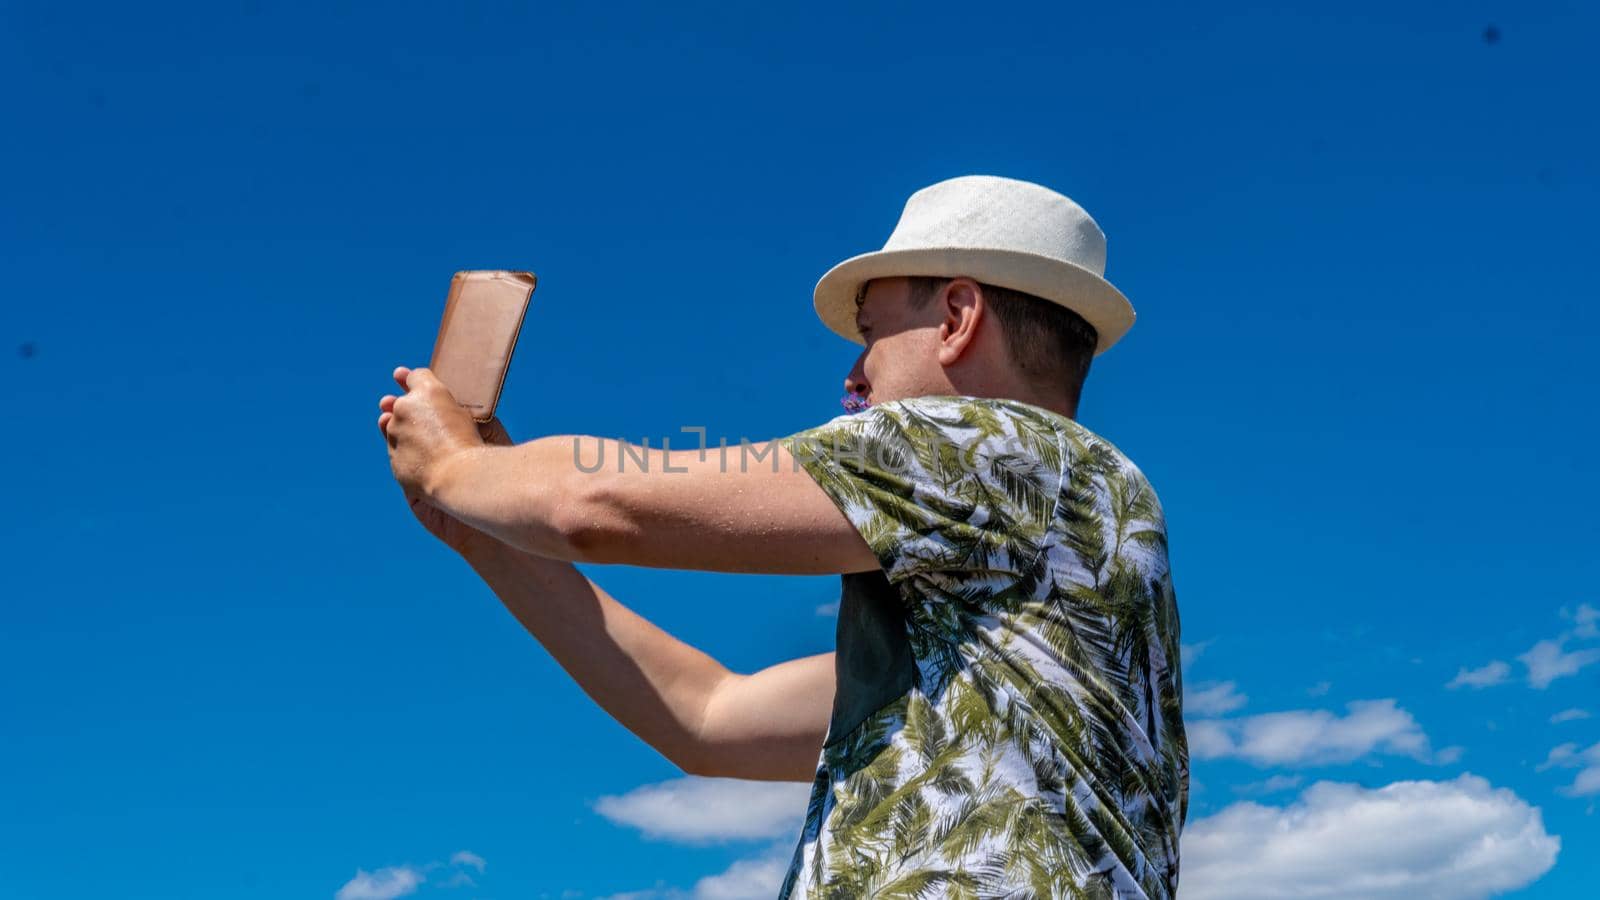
[964, 308]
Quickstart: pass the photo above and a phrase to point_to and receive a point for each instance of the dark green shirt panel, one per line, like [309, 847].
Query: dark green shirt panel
[873, 662]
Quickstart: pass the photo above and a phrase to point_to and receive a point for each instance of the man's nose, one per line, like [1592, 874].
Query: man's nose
[856, 381]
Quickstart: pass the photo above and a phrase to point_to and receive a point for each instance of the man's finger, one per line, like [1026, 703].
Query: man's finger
[386, 402]
[400, 375]
[420, 378]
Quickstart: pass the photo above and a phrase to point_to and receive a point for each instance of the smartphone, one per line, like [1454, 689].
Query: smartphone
[482, 316]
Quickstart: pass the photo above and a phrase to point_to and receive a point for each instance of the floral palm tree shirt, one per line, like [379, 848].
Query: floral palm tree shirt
[1008, 716]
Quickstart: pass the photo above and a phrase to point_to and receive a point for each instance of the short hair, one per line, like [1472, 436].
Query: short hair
[1051, 345]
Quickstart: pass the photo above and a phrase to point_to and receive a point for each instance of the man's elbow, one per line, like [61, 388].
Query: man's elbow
[698, 761]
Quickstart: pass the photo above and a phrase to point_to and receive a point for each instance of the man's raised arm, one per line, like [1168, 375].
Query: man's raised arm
[702, 717]
[586, 499]
[693, 710]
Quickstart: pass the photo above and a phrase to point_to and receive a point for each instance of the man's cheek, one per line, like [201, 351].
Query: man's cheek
[879, 367]
[872, 360]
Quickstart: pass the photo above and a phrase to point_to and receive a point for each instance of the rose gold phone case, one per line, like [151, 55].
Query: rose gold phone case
[482, 317]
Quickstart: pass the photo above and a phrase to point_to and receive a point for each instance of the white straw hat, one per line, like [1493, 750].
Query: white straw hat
[1000, 231]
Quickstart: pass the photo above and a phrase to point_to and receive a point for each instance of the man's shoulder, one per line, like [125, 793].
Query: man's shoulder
[984, 429]
[992, 416]
[1074, 433]
[953, 431]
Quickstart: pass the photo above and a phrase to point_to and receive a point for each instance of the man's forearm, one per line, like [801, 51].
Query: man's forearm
[528, 496]
[751, 508]
[654, 684]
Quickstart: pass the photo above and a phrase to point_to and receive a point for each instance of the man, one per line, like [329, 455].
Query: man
[1002, 716]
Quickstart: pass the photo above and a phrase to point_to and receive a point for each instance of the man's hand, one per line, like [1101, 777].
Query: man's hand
[454, 533]
[424, 427]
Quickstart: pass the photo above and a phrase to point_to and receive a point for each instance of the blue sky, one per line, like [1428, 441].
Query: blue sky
[1359, 240]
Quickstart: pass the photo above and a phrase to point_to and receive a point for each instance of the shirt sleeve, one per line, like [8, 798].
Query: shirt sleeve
[938, 484]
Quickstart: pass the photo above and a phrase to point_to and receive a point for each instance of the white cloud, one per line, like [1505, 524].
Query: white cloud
[398, 881]
[756, 878]
[1271, 785]
[468, 858]
[1587, 784]
[1558, 756]
[1213, 698]
[384, 884]
[1320, 688]
[699, 810]
[1450, 840]
[1188, 653]
[1547, 661]
[1568, 715]
[1586, 621]
[1208, 739]
[1311, 736]
[1587, 762]
[1494, 673]
[828, 609]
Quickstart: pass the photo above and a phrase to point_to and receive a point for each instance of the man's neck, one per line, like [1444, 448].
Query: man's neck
[1066, 406]
[1054, 404]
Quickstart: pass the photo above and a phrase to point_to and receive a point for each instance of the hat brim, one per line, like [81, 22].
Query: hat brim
[1058, 281]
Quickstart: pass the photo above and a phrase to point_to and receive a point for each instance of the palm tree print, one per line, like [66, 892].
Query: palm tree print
[1040, 751]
